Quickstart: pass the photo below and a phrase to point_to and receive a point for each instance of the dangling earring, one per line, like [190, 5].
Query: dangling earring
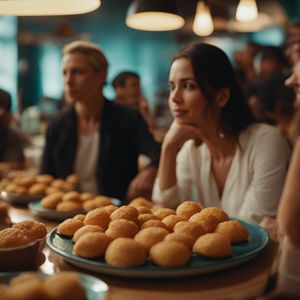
[221, 135]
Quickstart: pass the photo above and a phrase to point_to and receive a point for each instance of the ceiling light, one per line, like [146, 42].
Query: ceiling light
[246, 11]
[203, 24]
[153, 15]
[47, 7]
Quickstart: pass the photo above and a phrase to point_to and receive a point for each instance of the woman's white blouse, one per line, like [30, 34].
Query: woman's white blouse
[254, 183]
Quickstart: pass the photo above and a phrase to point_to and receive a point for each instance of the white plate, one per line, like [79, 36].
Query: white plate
[258, 239]
[96, 289]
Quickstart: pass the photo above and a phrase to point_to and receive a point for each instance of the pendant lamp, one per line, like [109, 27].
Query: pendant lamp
[47, 7]
[203, 24]
[246, 11]
[154, 15]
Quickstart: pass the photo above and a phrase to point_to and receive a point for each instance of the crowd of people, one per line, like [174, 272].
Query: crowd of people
[233, 142]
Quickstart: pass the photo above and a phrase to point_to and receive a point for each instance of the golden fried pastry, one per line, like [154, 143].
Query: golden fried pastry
[143, 210]
[171, 221]
[86, 196]
[92, 244]
[13, 237]
[33, 229]
[125, 252]
[187, 209]
[72, 196]
[3, 289]
[69, 206]
[110, 208]
[217, 212]
[121, 228]
[180, 237]
[146, 217]
[11, 188]
[27, 181]
[126, 212]
[154, 223]
[86, 228]
[44, 178]
[69, 226]
[20, 190]
[234, 230]
[65, 285]
[98, 216]
[89, 205]
[102, 201]
[80, 217]
[213, 245]
[59, 184]
[163, 212]
[27, 290]
[209, 222]
[140, 201]
[51, 190]
[73, 179]
[37, 189]
[150, 236]
[25, 277]
[51, 201]
[170, 254]
[191, 229]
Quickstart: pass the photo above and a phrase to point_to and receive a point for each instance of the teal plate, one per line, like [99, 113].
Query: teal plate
[257, 241]
[95, 288]
[19, 199]
[56, 215]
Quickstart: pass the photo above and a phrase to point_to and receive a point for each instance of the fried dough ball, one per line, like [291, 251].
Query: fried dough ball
[191, 229]
[171, 221]
[168, 254]
[11, 187]
[217, 212]
[44, 178]
[121, 228]
[69, 226]
[20, 190]
[69, 206]
[110, 208]
[72, 196]
[208, 222]
[58, 184]
[33, 229]
[154, 223]
[102, 201]
[187, 209]
[140, 201]
[65, 285]
[125, 252]
[73, 179]
[24, 277]
[86, 196]
[98, 216]
[213, 245]
[84, 229]
[143, 210]
[27, 181]
[163, 212]
[80, 217]
[51, 201]
[92, 244]
[182, 238]
[13, 237]
[27, 290]
[126, 212]
[3, 289]
[150, 236]
[146, 217]
[234, 230]
[37, 189]
[50, 190]
[89, 205]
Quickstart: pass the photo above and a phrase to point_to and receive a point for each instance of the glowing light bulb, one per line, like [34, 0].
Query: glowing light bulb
[246, 11]
[203, 24]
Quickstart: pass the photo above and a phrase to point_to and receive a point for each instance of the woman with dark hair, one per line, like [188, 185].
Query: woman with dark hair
[214, 152]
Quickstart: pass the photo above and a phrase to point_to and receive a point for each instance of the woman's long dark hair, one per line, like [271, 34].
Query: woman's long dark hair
[213, 71]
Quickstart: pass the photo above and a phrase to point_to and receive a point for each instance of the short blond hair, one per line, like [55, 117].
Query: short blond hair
[91, 51]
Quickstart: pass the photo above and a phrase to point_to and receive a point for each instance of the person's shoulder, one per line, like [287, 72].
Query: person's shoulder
[65, 115]
[261, 129]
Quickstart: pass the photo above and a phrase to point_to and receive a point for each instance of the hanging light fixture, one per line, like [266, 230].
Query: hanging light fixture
[203, 24]
[153, 15]
[246, 11]
[47, 7]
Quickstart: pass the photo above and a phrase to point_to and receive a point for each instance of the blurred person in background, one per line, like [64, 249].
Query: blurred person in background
[127, 86]
[214, 152]
[96, 139]
[12, 143]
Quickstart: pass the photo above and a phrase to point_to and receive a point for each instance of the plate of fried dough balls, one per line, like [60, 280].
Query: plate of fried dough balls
[60, 205]
[38, 285]
[143, 240]
[27, 188]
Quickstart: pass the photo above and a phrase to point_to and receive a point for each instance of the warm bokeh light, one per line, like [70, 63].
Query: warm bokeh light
[246, 11]
[203, 24]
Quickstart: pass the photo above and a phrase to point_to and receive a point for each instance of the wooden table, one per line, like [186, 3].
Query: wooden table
[242, 282]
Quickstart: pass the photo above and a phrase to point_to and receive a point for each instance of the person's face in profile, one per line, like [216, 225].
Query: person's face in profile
[81, 80]
[131, 91]
[294, 82]
[186, 101]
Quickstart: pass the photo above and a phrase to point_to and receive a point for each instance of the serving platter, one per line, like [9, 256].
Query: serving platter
[257, 241]
[96, 289]
[56, 215]
[19, 199]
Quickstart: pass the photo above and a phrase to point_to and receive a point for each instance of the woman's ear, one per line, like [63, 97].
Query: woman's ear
[222, 97]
